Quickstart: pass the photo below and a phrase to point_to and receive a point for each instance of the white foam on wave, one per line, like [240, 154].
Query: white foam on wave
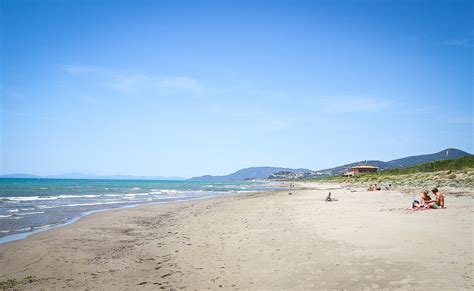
[22, 229]
[30, 198]
[170, 191]
[43, 226]
[137, 194]
[13, 210]
[92, 203]
[46, 206]
[77, 196]
[30, 213]
[6, 216]
[12, 217]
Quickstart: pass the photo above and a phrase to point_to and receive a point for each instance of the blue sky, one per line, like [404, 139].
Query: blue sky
[185, 88]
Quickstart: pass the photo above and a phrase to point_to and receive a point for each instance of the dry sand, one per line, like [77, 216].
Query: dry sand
[259, 241]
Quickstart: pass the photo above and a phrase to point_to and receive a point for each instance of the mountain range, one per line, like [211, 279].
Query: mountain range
[447, 154]
[87, 176]
[265, 172]
[249, 173]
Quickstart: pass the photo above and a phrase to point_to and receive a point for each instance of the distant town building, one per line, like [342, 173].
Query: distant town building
[286, 175]
[361, 169]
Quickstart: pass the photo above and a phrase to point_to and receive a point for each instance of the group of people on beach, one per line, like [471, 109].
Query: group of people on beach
[427, 202]
[374, 187]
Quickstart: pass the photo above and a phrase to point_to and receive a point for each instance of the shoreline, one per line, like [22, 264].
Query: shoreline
[24, 235]
[263, 240]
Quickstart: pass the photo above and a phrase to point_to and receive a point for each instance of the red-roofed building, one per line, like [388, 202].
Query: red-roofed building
[361, 169]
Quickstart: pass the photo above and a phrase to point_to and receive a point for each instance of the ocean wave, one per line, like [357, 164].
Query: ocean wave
[13, 216]
[171, 191]
[6, 216]
[13, 210]
[28, 198]
[44, 198]
[22, 229]
[30, 213]
[43, 226]
[183, 192]
[77, 196]
[46, 206]
[137, 194]
[93, 203]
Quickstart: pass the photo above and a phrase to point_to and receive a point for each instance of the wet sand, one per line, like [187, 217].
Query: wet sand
[260, 241]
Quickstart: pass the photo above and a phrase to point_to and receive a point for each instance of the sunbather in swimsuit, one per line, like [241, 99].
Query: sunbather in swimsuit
[439, 202]
[424, 200]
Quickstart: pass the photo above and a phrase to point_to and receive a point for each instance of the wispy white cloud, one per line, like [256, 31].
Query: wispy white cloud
[469, 120]
[459, 42]
[256, 91]
[262, 119]
[181, 83]
[79, 69]
[466, 41]
[33, 116]
[354, 104]
[142, 83]
[133, 82]
[11, 94]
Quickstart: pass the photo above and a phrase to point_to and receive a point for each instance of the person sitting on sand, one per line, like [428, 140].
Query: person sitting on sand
[329, 199]
[425, 200]
[374, 187]
[439, 202]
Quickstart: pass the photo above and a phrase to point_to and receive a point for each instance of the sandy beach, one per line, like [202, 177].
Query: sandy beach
[269, 240]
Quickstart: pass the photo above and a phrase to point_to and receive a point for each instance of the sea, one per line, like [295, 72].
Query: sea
[29, 206]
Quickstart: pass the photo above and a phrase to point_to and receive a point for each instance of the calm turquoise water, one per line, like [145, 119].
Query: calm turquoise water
[31, 205]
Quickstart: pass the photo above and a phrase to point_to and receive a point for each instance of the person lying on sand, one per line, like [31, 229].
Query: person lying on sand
[425, 200]
[439, 202]
[374, 187]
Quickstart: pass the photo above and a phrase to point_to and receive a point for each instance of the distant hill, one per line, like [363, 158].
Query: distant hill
[111, 177]
[249, 173]
[458, 164]
[336, 171]
[19, 176]
[88, 176]
[447, 154]
[457, 173]
[265, 172]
